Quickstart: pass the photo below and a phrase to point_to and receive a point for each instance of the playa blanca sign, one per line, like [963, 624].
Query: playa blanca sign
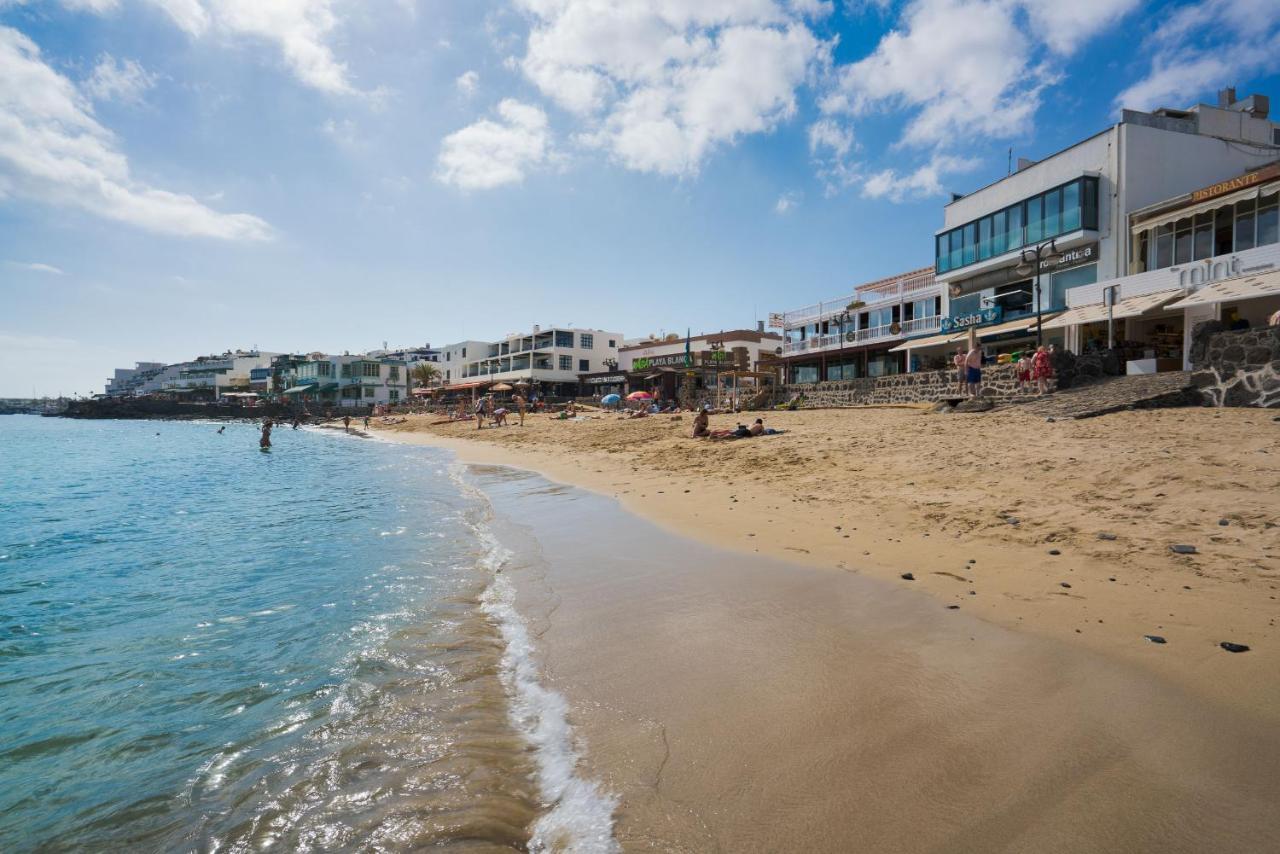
[982, 317]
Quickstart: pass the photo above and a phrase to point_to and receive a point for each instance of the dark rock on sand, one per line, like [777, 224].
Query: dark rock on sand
[1105, 536]
[1224, 522]
[1064, 584]
[907, 576]
[1155, 638]
[974, 404]
[953, 607]
[1233, 647]
[1054, 552]
[1183, 550]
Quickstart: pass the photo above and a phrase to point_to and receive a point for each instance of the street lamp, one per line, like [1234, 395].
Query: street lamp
[1045, 253]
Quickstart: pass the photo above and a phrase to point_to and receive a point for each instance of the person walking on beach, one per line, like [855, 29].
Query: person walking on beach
[366, 422]
[518, 402]
[482, 410]
[973, 370]
[346, 423]
[958, 361]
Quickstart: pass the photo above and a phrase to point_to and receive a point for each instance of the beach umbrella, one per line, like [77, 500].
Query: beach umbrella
[639, 395]
[501, 387]
[610, 399]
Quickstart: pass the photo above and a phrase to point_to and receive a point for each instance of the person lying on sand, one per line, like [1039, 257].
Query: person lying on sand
[758, 429]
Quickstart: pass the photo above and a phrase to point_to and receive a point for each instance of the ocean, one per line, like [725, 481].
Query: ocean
[207, 647]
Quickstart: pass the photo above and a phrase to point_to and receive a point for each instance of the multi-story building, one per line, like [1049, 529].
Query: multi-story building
[346, 380]
[857, 335]
[549, 360]
[661, 365]
[126, 381]
[219, 374]
[1082, 200]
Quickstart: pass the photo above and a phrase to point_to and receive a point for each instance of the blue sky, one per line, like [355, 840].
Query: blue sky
[182, 176]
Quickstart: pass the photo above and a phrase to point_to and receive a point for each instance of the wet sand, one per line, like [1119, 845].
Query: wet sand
[973, 506]
[739, 703]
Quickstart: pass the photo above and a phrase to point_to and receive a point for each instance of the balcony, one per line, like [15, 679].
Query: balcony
[863, 337]
[912, 286]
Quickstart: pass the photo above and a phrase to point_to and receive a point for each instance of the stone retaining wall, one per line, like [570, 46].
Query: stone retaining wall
[1237, 368]
[998, 381]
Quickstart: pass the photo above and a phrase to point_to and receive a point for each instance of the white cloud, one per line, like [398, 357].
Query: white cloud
[467, 83]
[831, 145]
[492, 153]
[54, 151]
[299, 29]
[922, 183]
[787, 202]
[967, 69]
[1064, 26]
[116, 80]
[659, 85]
[37, 267]
[1201, 46]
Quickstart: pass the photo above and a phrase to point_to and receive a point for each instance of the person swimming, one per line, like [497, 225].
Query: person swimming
[222, 429]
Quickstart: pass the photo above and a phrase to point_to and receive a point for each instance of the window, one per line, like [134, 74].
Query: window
[370, 391]
[1223, 234]
[1052, 212]
[464, 352]
[346, 369]
[924, 308]
[613, 344]
[394, 394]
[1055, 295]
[586, 341]
[1244, 225]
[1182, 241]
[1035, 220]
[584, 365]
[957, 240]
[1268, 219]
[984, 238]
[394, 373]
[999, 233]
[1016, 221]
[1202, 236]
[970, 242]
[564, 339]
[1071, 207]
[370, 369]
[566, 363]
[804, 374]
[1164, 246]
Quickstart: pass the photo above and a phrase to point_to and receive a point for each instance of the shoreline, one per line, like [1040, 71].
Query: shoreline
[1016, 582]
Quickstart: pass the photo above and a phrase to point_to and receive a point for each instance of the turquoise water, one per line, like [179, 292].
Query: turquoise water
[206, 647]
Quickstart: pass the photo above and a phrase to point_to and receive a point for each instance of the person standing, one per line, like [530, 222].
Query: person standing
[1041, 369]
[973, 370]
[265, 442]
[482, 410]
[958, 361]
[517, 400]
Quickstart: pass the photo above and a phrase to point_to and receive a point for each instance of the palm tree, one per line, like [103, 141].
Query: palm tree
[425, 373]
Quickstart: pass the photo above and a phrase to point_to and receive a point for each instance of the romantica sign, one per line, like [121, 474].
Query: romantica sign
[1223, 187]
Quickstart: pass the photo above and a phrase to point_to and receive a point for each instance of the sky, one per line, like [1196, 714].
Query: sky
[181, 177]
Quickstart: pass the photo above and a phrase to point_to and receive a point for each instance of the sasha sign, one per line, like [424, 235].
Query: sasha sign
[983, 317]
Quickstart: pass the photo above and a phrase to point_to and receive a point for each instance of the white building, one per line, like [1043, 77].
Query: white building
[1082, 198]
[218, 374]
[125, 381]
[660, 365]
[550, 360]
[348, 380]
[856, 335]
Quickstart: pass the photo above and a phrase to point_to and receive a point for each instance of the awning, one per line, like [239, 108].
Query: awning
[1096, 311]
[1172, 216]
[299, 389]
[916, 343]
[1022, 324]
[1229, 290]
[467, 386]
[422, 392]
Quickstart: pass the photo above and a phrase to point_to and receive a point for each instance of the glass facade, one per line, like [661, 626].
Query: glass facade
[1229, 228]
[1062, 210]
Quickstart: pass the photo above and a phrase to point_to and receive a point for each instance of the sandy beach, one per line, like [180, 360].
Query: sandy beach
[1062, 530]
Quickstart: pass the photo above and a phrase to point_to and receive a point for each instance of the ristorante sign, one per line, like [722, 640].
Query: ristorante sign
[983, 317]
[1223, 187]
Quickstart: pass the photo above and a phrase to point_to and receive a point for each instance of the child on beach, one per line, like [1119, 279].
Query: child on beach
[1024, 372]
[958, 361]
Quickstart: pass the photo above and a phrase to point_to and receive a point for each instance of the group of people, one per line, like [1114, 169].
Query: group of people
[1033, 369]
[702, 429]
[486, 409]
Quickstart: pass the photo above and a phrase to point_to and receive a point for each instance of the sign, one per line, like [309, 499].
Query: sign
[1223, 187]
[671, 360]
[1215, 269]
[1076, 257]
[613, 379]
[775, 320]
[983, 317]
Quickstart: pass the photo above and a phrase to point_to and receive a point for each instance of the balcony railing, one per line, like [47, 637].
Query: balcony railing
[861, 337]
[910, 287]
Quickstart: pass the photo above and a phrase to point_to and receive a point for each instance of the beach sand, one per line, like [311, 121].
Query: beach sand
[974, 507]
[735, 702]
